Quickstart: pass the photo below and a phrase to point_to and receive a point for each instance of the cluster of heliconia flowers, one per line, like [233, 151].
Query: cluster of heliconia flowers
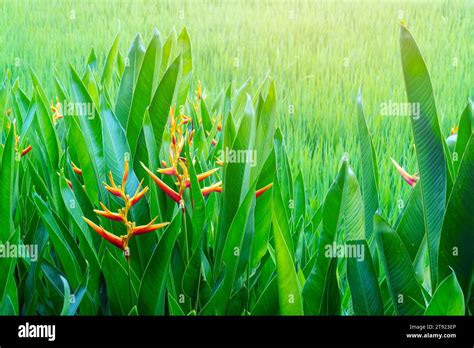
[121, 215]
[178, 166]
[181, 129]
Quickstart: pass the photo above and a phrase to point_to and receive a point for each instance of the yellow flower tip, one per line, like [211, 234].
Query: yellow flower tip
[163, 164]
[410, 179]
[454, 130]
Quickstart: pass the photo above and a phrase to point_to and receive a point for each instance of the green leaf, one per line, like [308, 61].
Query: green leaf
[236, 176]
[464, 133]
[457, 236]
[232, 251]
[366, 296]
[110, 63]
[151, 296]
[448, 298]
[410, 226]
[163, 99]
[313, 291]
[428, 143]
[67, 296]
[143, 91]
[117, 281]
[354, 217]
[123, 102]
[184, 43]
[404, 289]
[289, 292]
[7, 178]
[369, 170]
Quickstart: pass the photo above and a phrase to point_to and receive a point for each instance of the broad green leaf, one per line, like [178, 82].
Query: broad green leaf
[107, 73]
[457, 236]
[365, 291]
[151, 296]
[289, 291]
[143, 91]
[184, 43]
[313, 291]
[448, 298]
[369, 170]
[129, 77]
[163, 100]
[404, 289]
[410, 226]
[464, 134]
[428, 143]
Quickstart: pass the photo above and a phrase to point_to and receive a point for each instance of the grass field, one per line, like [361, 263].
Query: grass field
[236, 158]
[318, 53]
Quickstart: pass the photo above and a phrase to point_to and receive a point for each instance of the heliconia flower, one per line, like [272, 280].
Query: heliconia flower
[410, 179]
[167, 171]
[25, 151]
[214, 142]
[219, 162]
[264, 189]
[185, 119]
[165, 188]
[122, 214]
[202, 176]
[76, 169]
[219, 126]
[138, 194]
[108, 214]
[113, 190]
[150, 227]
[112, 238]
[454, 130]
[217, 187]
[163, 164]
